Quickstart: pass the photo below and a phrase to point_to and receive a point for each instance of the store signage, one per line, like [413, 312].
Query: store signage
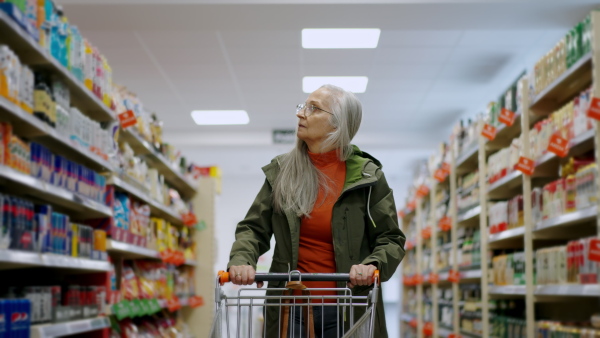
[594, 253]
[525, 165]
[434, 278]
[426, 233]
[284, 136]
[428, 329]
[594, 110]
[423, 191]
[173, 304]
[413, 323]
[412, 205]
[196, 301]
[454, 335]
[127, 119]
[445, 223]
[507, 117]
[417, 279]
[446, 167]
[558, 145]
[454, 276]
[401, 214]
[440, 175]
[489, 132]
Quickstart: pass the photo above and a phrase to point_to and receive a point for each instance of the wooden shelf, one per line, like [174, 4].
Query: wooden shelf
[467, 160]
[511, 238]
[504, 188]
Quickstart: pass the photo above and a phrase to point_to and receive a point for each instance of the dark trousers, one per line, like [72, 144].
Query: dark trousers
[326, 321]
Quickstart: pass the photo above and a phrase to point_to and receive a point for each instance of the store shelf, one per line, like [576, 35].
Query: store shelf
[564, 88]
[547, 228]
[156, 208]
[504, 187]
[507, 237]
[28, 126]
[469, 215]
[507, 290]
[467, 160]
[547, 164]
[158, 161]
[81, 207]
[30, 53]
[470, 274]
[576, 290]
[69, 328]
[444, 332]
[130, 251]
[10, 259]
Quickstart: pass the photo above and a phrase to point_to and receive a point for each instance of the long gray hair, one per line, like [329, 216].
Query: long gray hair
[298, 182]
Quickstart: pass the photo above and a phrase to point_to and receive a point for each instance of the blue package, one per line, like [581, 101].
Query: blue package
[69, 241]
[3, 319]
[54, 231]
[4, 222]
[34, 167]
[44, 224]
[14, 13]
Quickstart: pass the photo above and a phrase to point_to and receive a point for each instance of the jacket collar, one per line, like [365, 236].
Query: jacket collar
[360, 170]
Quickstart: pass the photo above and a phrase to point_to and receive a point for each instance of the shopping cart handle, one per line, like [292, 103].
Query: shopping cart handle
[309, 277]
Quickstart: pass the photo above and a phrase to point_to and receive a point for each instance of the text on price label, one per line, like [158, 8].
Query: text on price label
[489, 132]
[525, 165]
[558, 145]
[594, 110]
[507, 117]
[127, 119]
[440, 175]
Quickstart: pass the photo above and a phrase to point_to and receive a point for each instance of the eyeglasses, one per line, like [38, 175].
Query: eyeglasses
[309, 109]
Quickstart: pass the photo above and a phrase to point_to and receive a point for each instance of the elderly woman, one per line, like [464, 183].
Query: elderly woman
[330, 209]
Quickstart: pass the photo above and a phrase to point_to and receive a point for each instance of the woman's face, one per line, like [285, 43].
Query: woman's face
[315, 128]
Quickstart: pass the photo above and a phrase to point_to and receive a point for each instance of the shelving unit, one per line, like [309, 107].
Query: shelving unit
[531, 236]
[85, 210]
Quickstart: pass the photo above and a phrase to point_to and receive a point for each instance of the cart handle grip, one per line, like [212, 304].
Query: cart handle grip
[223, 277]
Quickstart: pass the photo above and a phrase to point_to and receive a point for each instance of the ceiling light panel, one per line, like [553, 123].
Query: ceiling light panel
[355, 84]
[220, 117]
[348, 38]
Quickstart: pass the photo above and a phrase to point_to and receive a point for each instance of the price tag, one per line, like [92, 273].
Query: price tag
[445, 223]
[489, 132]
[594, 110]
[454, 276]
[422, 191]
[525, 165]
[426, 233]
[594, 253]
[173, 304]
[189, 219]
[417, 279]
[412, 205]
[454, 335]
[196, 301]
[507, 117]
[558, 145]
[401, 214]
[413, 322]
[434, 278]
[127, 119]
[428, 329]
[440, 175]
[409, 245]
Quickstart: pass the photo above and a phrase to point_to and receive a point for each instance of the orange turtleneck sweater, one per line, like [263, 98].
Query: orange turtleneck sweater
[316, 253]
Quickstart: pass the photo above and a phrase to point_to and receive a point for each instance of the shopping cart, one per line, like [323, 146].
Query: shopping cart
[250, 307]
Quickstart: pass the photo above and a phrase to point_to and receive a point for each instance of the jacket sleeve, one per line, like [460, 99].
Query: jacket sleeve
[386, 238]
[253, 234]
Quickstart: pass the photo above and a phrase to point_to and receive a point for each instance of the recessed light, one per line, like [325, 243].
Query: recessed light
[340, 37]
[220, 117]
[355, 84]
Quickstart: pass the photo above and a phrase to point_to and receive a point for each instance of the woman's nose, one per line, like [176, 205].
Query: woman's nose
[300, 114]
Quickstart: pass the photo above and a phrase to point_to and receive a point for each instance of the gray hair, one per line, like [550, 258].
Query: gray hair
[297, 185]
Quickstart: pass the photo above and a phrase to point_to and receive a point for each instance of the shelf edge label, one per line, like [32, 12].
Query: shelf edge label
[558, 145]
[594, 109]
[525, 165]
[127, 119]
[507, 117]
[594, 253]
[489, 132]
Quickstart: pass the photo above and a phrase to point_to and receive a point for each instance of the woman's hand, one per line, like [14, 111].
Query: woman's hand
[243, 275]
[361, 275]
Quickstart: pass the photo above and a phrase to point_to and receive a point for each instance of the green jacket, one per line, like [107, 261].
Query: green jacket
[357, 237]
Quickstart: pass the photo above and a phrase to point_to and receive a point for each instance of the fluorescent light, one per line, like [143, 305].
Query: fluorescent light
[220, 117]
[340, 38]
[355, 84]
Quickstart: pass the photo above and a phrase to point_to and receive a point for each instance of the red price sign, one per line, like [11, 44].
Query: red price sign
[434, 278]
[127, 119]
[401, 214]
[408, 280]
[440, 175]
[417, 279]
[189, 219]
[489, 132]
[454, 276]
[412, 205]
[594, 110]
[453, 335]
[413, 323]
[558, 145]
[594, 253]
[423, 191]
[409, 245]
[525, 165]
[196, 301]
[426, 233]
[445, 223]
[173, 304]
[446, 167]
[428, 329]
[507, 117]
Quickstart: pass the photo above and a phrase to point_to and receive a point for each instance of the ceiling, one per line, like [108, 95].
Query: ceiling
[437, 61]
